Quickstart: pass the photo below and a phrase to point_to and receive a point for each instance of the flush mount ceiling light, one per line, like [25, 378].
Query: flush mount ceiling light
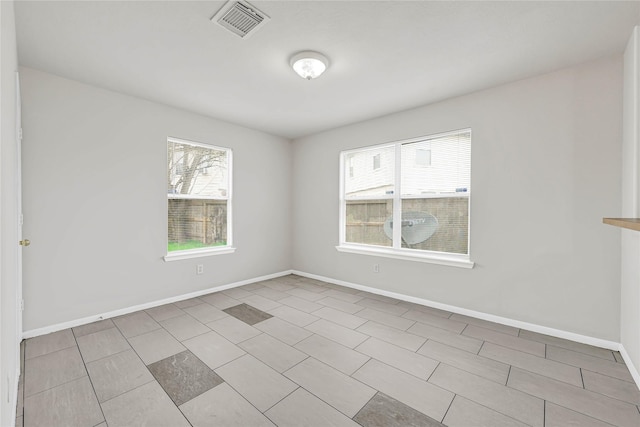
[309, 64]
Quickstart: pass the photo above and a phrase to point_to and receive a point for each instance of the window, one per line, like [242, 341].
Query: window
[199, 199]
[431, 204]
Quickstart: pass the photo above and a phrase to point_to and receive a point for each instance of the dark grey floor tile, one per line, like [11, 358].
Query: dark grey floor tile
[53, 369]
[101, 325]
[49, 343]
[183, 376]
[384, 411]
[70, 404]
[246, 313]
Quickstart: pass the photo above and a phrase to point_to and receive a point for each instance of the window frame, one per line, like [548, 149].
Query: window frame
[201, 252]
[395, 251]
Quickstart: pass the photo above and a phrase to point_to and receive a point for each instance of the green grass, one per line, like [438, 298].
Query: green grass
[191, 244]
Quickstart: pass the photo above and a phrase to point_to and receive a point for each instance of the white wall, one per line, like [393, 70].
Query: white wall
[95, 201]
[630, 266]
[546, 156]
[9, 342]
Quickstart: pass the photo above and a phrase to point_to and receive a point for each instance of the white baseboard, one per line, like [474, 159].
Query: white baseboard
[597, 342]
[632, 368]
[90, 319]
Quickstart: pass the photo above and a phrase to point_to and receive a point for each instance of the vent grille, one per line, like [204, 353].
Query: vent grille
[240, 18]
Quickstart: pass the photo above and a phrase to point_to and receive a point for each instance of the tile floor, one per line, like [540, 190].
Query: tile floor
[294, 351]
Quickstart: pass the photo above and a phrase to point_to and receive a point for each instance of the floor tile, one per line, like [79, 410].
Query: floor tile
[184, 327]
[237, 293]
[53, 369]
[223, 406]
[485, 324]
[591, 363]
[342, 295]
[612, 387]
[482, 366]
[311, 285]
[425, 309]
[278, 285]
[220, 300]
[340, 334]
[386, 319]
[435, 320]
[587, 402]
[248, 314]
[252, 286]
[233, 329]
[341, 305]
[117, 374]
[569, 345]
[271, 294]
[333, 354]
[405, 360]
[377, 297]
[339, 317]
[164, 312]
[333, 387]
[156, 345]
[505, 340]
[521, 406]
[213, 349]
[262, 386]
[618, 357]
[385, 411]
[134, 324]
[302, 293]
[465, 413]
[70, 404]
[188, 303]
[293, 316]
[528, 362]
[386, 307]
[301, 304]
[183, 376]
[147, 405]
[444, 336]
[261, 303]
[301, 408]
[391, 335]
[102, 344]
[418, 394]
[49, 343]
[557, 416]
[101, 325]
[205, 313]
[284, 331]
[273, 352]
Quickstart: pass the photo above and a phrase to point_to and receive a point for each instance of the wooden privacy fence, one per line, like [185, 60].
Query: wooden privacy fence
[198, 220]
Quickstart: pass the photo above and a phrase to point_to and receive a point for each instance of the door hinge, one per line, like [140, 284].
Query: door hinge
[20, 134]
[21, 305]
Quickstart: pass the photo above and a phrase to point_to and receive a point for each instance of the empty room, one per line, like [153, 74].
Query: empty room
[320, 213]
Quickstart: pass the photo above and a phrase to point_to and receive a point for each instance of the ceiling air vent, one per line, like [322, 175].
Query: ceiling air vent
[240, 18]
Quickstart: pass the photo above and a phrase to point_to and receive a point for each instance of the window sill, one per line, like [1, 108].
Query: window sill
[178, 255]
[408, 255]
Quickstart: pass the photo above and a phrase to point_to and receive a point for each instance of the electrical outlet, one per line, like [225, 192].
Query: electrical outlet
[376, 268]
[199, 269]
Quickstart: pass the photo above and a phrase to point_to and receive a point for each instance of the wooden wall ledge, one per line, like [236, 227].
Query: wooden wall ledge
[630, 223]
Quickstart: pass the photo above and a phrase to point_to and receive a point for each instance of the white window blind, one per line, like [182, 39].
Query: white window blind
[422, 184]
[199, 196]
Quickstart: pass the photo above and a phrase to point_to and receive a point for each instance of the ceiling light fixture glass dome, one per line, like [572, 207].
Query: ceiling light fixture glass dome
[309, 64]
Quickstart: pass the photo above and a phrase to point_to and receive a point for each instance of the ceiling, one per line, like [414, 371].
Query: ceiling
[386, 56]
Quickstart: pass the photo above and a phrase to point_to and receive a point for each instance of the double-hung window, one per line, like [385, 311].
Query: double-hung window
[423, 185]
[199, 199]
